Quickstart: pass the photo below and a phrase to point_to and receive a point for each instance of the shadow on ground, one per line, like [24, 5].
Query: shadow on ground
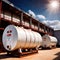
[3, 56]
[58, 56]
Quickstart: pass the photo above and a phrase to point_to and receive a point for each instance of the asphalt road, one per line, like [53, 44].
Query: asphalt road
[52, 54]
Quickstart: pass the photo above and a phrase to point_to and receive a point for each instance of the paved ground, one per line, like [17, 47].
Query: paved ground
[53, 54]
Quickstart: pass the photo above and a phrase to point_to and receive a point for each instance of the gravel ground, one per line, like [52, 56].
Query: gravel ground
[53, 54]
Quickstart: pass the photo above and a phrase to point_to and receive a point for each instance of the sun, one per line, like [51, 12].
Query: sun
[54, 4]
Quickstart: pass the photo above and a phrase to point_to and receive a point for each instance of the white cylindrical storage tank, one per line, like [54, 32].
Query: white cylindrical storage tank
[19, 38]
[49, 41]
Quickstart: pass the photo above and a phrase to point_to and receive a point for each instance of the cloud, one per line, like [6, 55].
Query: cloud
[54, 24]
[41, 17]
[32, 13]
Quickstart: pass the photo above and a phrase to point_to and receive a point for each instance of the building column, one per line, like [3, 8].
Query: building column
[21, 22]
[30, 22]
[0, 10]
[38, 26]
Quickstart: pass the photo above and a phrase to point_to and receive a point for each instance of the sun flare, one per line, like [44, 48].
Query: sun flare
[54, 4]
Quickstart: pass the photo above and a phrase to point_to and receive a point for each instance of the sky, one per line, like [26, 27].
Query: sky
[42, 10]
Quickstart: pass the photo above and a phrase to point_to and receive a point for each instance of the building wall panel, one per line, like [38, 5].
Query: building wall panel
[57, 35]
[27, 23]
[16, 19]
[7, 15]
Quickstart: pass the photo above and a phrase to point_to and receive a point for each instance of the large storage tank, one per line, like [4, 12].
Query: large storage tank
[49, 41]
[20, 38]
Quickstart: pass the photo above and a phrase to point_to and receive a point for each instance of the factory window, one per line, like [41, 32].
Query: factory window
[39, 27]
[16, 19]
[26, 23]
[2, 14]
[32, 25]
[36, 27]
[7, 15]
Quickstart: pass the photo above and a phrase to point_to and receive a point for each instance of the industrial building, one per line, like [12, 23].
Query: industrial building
[10, 14]
[57, 35]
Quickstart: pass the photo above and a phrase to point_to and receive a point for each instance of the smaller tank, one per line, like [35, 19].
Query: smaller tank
[49, 41]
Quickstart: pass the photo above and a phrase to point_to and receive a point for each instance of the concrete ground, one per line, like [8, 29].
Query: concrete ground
[53, 54]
